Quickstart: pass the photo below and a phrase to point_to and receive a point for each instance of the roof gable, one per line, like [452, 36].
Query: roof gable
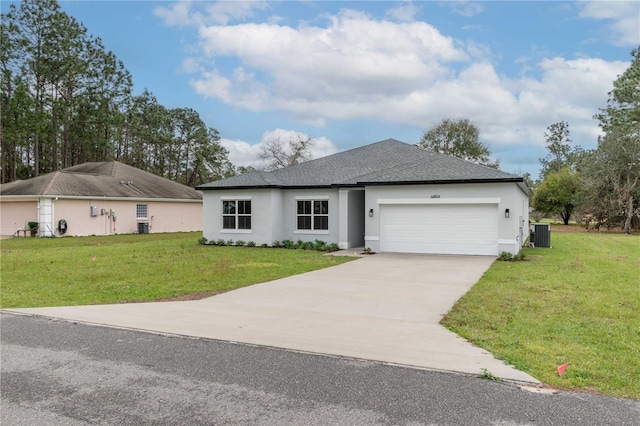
[101, 179]
[386, 162]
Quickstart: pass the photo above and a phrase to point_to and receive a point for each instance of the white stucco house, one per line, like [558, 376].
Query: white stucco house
[99, 198]
[389, 196]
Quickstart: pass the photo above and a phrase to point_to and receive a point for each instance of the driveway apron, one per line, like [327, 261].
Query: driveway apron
[384, 307]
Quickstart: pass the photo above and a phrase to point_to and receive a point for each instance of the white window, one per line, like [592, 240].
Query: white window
[141, 211]
[236, 214]
[313, 214]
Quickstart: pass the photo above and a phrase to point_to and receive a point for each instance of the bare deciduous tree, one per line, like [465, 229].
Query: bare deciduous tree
[279, 153]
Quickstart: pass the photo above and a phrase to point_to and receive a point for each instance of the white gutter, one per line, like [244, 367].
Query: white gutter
[83, 197]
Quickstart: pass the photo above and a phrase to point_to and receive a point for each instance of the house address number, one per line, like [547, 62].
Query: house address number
[435, 196]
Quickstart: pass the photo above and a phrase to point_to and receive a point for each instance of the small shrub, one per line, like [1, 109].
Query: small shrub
[520, 256]
[333, 247]
[264, 245]
[33, 228]
[229, 242]
[320, 245]
[288, 244]
[367, 250]
[221, 242]
[299, 244]
[251, 244]
[505, 256]
[239, 243]
[202, 241]
[309, 245]
[276, 243]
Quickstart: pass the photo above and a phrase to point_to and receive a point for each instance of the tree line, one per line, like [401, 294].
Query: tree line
[599, 186]
[67, 100]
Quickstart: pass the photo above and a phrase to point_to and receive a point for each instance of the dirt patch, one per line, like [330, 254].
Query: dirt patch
[570, 229]
[185, 297]
[193, 296]
[582, 229]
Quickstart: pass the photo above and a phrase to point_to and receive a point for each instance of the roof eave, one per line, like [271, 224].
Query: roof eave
[238, 187]
[361, 184]
[525, 188]
[96, 198]
[441, 182]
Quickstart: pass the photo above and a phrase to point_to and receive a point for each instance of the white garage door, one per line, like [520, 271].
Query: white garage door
[439, 228]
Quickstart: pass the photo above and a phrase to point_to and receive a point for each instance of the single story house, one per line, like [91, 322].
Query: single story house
[99, 198]
[389, 196]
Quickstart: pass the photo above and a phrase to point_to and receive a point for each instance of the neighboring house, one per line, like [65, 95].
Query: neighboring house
[389, 196]
[99, 198]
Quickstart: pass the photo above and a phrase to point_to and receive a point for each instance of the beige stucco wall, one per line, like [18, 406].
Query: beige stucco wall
[15, 215]
[163, 216]
[174, 217]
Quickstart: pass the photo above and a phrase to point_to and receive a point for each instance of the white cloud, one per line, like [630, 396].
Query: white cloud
[405, 12]
[190, 65]
[178, 14]
[242, 153]
[322, 147]
[222, 12]
[624, 19]
[406, 74]
[342, 71]
[213, 84]
[465, 8]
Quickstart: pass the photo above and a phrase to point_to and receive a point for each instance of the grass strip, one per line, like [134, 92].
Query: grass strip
[577, 302]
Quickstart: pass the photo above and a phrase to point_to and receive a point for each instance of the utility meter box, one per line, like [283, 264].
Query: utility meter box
[94, 211]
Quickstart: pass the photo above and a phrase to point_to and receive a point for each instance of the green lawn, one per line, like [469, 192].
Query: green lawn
[62, 271]
[578, 302]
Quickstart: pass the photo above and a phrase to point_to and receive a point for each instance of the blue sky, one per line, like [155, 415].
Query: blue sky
[351, 73]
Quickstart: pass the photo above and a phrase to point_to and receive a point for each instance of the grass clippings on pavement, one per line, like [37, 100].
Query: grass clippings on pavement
[68, 271]
[577, 302]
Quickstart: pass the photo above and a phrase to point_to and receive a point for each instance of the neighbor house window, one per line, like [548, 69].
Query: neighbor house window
[313, 215]
[236, 214]
[141, 211]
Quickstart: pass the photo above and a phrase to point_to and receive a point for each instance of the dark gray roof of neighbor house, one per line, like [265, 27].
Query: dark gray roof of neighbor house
[389, 162]
[101, 179]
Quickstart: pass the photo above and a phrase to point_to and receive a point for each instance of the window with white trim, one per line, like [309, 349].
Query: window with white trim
[236, 214]
[142, 211]
[313, 214]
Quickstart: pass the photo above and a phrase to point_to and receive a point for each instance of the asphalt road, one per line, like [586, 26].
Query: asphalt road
[61, 373]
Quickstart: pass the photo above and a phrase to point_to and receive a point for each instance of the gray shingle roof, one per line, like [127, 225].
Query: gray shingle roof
[382, 163]
[101, 179]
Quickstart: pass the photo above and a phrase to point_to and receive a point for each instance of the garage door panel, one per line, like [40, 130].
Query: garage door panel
[439, 229]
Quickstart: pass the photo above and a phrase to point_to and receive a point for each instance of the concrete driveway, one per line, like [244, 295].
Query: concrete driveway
[384, 307]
